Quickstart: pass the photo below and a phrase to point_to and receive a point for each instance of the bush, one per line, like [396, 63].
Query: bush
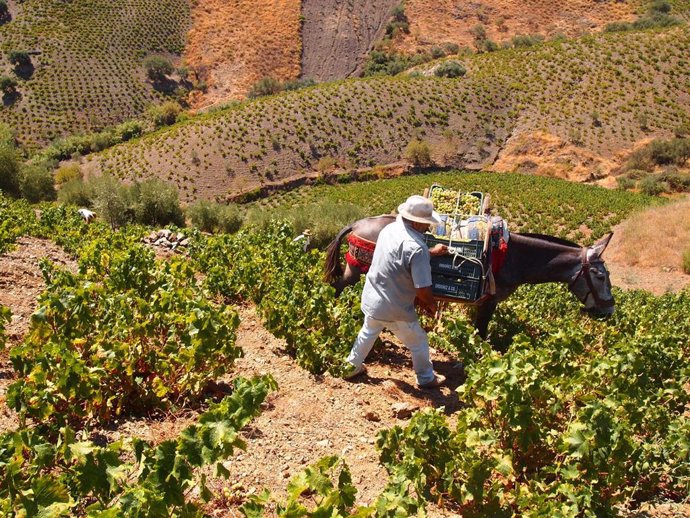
[155, 202]
[437, 52]
[36, 184]
[686, 261]
[675, 151]
[418, 153]
[653, 186]
[209, 216]
[163, 115]
[158, 67]
[67, 173]
[111, 200]
[677, 181]
[297, 84]
[450, 69]
[526, 41]
[265, 86]
[19, 58]
[8, 85]
[451, 48]
[9, 169]
[624, 183]
[660, 6]
[76, 192]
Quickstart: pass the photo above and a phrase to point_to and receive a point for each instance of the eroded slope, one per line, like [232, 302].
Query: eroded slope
[337, 34]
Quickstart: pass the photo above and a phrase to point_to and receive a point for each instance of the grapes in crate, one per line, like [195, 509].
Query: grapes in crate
[446, 202]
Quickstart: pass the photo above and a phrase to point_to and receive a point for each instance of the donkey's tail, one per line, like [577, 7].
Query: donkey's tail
[333, 269]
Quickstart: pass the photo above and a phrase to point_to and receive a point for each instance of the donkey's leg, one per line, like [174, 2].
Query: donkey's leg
[484, 313]
[349, 278]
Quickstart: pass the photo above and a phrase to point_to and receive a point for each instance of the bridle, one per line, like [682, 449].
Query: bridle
[585, 272]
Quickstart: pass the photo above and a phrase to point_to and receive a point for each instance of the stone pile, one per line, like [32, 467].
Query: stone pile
[167, 239]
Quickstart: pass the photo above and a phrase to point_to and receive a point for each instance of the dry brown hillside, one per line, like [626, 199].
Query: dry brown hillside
[338, 35]
[234, 44]
[439, 21]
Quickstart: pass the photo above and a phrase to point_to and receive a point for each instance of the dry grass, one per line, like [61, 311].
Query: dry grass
[438, 21]
[234, 44]
[655, 237]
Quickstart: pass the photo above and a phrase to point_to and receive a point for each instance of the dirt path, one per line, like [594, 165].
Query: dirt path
[21, 282]
[313, 416]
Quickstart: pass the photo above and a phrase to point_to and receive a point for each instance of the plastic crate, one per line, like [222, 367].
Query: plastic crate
[456, 288]
[450, 265]
[473, 248]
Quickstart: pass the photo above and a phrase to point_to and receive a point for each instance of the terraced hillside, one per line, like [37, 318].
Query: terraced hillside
[591, 94]
[86, 62]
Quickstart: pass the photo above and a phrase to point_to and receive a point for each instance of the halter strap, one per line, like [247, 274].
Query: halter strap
[585, 272]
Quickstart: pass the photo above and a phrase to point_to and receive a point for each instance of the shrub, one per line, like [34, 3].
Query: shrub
[209, 216]
[297, 84]
[526, 41]
[155, 202]
[624, 183]
[653, 186]
[158, 67]
[165, 114]
[660, 6]
[9, 169]
[682, 130]
[686, 261]
[19, 58]
[110, 199]
[418, 153]
[76, 192]
[36, 184]
[451, 48]
[67, 173]
[8, 85]
[265, 86]
[450, 69]
[677, 181]
[675, 151]
[437, 52]
[325, 164]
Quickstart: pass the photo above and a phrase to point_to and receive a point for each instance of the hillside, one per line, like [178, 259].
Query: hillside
[596, 98]
[433, 22]
[338, 35]
[86, 62]
[231, 45]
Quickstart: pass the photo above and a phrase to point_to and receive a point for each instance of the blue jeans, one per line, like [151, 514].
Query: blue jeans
[409, 333]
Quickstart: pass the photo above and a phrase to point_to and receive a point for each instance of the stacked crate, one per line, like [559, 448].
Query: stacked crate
[459, 276]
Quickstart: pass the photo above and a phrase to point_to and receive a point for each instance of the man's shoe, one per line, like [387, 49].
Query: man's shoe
[357, 371]
[438, 381]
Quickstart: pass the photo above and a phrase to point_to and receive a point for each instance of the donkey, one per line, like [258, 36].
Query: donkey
[530, 259]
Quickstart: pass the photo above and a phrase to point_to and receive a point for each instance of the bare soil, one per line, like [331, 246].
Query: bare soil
[337, 35]
[434, 22]
[232, 45]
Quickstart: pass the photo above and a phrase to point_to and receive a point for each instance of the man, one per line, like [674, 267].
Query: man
[400, 273]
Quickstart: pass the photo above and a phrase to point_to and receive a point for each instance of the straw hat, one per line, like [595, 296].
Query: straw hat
[420, 209]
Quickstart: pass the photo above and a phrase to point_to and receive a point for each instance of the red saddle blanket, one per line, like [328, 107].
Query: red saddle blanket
[360, 252]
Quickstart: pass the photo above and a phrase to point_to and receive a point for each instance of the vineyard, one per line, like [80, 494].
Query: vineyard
[580, 417]
[85, 68]
[590, 94]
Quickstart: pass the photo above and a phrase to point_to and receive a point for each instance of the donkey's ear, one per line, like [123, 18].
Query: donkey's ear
[599, 247]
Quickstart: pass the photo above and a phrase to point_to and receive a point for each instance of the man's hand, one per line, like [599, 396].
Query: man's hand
[425, 301]
[439, 249]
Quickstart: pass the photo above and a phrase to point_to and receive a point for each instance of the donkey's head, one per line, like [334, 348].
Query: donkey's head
[591, 283]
